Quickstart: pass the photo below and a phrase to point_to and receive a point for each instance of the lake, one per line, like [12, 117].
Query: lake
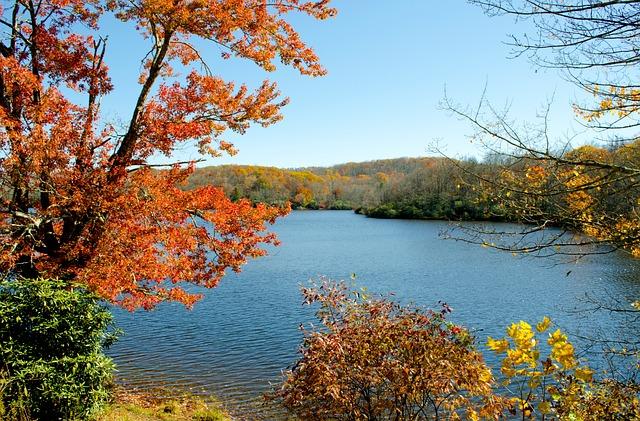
[244, 332]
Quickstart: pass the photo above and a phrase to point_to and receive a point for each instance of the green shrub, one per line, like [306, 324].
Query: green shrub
[340, 205]
[52, 336]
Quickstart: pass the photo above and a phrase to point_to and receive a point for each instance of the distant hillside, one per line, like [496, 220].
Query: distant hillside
[388, 166]
[345, 186]
[403, 187]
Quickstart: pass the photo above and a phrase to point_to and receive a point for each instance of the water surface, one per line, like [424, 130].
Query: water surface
[243, 333]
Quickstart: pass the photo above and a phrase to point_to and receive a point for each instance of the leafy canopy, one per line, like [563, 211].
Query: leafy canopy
[80, 199]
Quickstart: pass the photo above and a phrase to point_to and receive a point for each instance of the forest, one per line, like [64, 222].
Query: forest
[421, 188]
[496, 188]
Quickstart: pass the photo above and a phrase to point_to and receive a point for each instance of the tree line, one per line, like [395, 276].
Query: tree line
[588, 189]
[427, 187]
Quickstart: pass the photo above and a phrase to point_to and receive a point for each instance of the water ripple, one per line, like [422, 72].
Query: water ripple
[239, 338]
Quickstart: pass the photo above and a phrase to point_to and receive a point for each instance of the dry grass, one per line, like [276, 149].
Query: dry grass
[138, 406]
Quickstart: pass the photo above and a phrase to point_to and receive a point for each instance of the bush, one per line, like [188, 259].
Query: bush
[52, 336]
[560, 386]
[374, 359]
[340, 205]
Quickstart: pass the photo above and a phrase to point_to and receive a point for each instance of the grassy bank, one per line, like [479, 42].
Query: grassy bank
[148, 406]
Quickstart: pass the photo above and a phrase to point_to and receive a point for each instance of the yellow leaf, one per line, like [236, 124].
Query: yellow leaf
[497, 345]
[584, 373]
[544, 407]
[543, 325]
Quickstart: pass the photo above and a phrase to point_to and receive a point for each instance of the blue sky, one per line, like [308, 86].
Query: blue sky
[389, 64]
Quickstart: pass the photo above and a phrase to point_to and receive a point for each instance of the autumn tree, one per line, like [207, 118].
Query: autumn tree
[589, 194]
[81, 200]
[595, 43]
[548, 182]
[373, 359]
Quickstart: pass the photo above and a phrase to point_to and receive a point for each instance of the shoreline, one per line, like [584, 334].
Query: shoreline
[131, 404]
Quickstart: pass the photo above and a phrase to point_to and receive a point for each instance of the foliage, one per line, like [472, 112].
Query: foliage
[80, 198]
[592, 193]
[587, 189]
[558, 386]
[412, 188]
[345, 186]
[583, 191]
[52, 335]
[374, 359]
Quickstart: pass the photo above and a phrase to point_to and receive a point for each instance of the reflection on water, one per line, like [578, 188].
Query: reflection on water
[240, 337]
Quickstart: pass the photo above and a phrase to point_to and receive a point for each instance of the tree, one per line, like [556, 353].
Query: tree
[594, 42]
[81, 199]
[589, 192]
[374, 359]
[585, 190]
[547, 182]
